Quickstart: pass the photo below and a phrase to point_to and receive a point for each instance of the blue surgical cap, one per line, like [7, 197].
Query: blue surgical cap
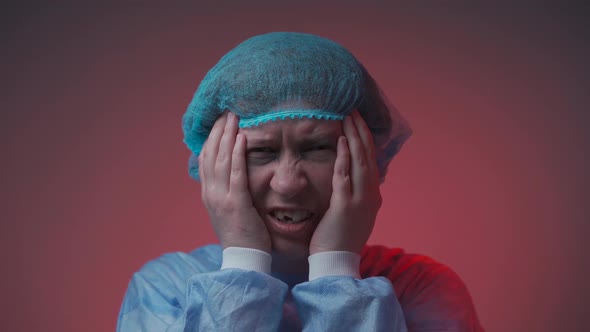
[289, 75]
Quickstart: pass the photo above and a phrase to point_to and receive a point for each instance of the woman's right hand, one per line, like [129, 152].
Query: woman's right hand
[224, 188]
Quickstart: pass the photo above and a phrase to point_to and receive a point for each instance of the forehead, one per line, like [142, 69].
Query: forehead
[298, 128]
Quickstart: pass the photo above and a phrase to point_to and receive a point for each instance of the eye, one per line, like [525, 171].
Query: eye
[261, 155]
[261, 150]
[320, 152]
[319, 147]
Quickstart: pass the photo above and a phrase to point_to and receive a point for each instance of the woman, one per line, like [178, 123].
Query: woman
[290, 139]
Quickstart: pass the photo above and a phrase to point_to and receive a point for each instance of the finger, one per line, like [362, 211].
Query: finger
[209, 152]
[202, 176]
[239, 170]
[226, 146]
[358, 161]
[367, 139]
[341, 178]
[365, 135]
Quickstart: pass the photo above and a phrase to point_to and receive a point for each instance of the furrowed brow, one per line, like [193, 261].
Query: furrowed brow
[322, 138]
[260, 141]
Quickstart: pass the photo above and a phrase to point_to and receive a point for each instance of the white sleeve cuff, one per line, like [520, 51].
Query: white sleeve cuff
[334, 263]
[246, 259]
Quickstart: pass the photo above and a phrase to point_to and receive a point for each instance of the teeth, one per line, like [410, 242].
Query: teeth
[291, 217]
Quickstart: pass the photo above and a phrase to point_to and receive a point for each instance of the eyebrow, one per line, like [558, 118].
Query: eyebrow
[311, 139]
[322, 138]
[259, 141]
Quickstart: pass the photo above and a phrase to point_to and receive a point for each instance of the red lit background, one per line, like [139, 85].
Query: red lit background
[493, 183]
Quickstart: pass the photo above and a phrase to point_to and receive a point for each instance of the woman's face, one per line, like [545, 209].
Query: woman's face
[290, 166]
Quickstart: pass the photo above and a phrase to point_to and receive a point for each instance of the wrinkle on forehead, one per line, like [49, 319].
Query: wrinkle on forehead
[300, 127]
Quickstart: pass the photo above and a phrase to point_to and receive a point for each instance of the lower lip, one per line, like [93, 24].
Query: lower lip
[290, 229]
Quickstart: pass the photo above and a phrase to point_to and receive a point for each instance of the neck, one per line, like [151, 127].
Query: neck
[288, 264]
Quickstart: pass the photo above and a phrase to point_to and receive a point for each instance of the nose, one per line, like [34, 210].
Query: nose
[288, 179]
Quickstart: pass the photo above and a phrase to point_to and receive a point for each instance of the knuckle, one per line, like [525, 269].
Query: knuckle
[236, 168]
[341, 171]
[361, 161]
[346, 152]
[222, 157]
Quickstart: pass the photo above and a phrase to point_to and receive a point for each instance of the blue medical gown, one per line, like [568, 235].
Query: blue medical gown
[189, 292]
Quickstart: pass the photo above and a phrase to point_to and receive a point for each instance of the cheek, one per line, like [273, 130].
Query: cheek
[320, 177]
[258, 181]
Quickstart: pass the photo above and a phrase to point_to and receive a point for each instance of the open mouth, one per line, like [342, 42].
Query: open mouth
[291, 217]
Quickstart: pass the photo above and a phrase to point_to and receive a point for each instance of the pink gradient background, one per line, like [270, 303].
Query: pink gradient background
[493, 183]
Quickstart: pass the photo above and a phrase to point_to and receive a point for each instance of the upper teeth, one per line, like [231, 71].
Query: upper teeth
[291, 216]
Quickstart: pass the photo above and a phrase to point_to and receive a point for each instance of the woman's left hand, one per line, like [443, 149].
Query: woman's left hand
[356, 198]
